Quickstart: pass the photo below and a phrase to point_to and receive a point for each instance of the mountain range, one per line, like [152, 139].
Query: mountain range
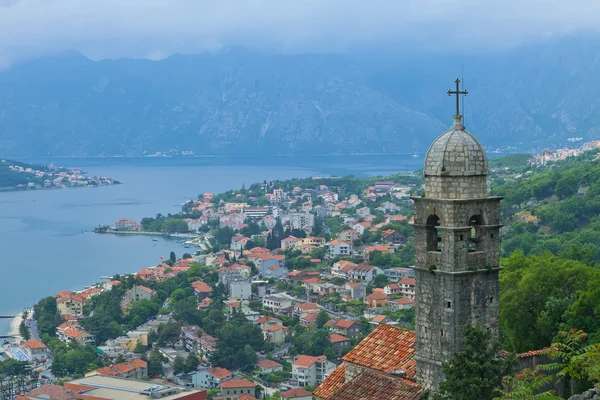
[238, 101]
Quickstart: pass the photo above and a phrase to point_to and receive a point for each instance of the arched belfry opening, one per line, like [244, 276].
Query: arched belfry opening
[434, 238]
[476, 223]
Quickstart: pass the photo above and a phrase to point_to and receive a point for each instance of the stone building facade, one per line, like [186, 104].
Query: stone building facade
[457, 251]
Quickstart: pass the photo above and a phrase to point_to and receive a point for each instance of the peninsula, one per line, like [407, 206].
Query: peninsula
[16, 175]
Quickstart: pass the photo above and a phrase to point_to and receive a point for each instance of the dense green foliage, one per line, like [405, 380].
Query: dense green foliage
[239, 340]
[554, 209]
[476, 372]
[46, 316]
[541, 295]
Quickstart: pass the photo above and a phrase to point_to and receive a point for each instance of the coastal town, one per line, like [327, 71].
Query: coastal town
[309, 269]
[299, 289]
[22, 176]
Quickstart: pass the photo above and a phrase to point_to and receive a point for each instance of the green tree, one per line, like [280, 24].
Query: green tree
[569, 354]
[322, 318]
[527, 385]
[172, 256]
[24, 331]
[155, 363]
[191, 362]
[178, 365]
[46, 316]
[477, 371]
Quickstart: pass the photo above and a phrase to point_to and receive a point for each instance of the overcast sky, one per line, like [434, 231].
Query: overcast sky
[157, 28]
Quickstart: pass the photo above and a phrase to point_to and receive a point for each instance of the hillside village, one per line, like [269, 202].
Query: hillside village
[295, 285]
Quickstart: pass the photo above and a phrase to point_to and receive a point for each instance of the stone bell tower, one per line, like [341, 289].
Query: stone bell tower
[457, 250]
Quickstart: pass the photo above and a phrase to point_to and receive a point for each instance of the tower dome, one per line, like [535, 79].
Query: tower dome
[456, 153]
[456, 165]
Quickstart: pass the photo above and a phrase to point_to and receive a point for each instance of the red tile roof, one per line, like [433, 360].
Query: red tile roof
[219, 373]
[34, 344]
[379, 318]
[369, 385]
[344, 323]
[53, 392]
[407, 281]
[296, 392]
[268, 364]
[237, 383]
[201, 287]
[335, 338]
[246, 396]
[378, 296]
[386, 349]
[306, 361]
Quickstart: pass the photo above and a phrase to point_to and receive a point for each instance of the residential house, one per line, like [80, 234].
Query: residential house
[361, 227]
[208, 344]
[238, 242]
[407, 287]
[349, 328]
[310, 371]
[194, 224]
[303, 309]
[275, 271]
[339, 342]
[388, 207]
[275, 334]
[309, 321]
[269, 366]
[108, 285]
[124, 224]
[134, 369]
[376, 299]
[401, 304]
[70, 304]
[391, 289]
[363, 212]
[190, 337]
[397, 273]
[241, 289]
[235, 388]
[289, 242]
[265, 263]
[201, 290]
[210, 378]
[313, 241]
[379, 319]
[341, 268]
[278, 303]
[348, 235]
[340, 248]
[364, 272]
[354, 291]
[266, 321]
[72, 331]
[393, 237]
[296, 394]
[137, 293]
[369, 250]
[35, 350]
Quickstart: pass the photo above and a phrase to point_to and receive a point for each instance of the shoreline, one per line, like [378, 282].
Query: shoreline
[14, 327]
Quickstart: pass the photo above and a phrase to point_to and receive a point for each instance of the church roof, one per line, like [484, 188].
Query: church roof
[456, 153]
[386, 349]
[369, 385]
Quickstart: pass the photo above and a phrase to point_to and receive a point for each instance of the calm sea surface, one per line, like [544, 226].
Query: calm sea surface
[45, 235]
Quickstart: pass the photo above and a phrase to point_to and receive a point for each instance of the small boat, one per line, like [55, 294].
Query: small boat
[154, 239]
[187, 246]
[415, 155]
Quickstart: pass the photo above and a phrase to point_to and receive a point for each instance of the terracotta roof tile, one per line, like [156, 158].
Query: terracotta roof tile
[268, 364]
[386, 349]
[237, 383]
[34, 344]
[335, 338]
[369, 385]
[296, 392]
[303, 361]
[53, 392]
[219, 373]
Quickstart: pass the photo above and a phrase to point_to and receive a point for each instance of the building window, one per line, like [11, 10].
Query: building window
[476, 222]
[449, 304]
[441, 332]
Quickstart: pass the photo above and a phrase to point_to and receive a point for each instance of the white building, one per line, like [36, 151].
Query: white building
[311, 371]
[340, 248]
[240, 290]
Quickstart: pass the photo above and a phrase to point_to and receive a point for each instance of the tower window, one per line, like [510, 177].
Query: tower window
[461, 237]
[449, 304]
[433, 235]
[476, 222]
[491, 299]
[492, 235]
[442, 332]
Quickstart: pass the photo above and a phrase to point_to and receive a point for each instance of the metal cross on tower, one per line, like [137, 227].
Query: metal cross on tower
[457, 92]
